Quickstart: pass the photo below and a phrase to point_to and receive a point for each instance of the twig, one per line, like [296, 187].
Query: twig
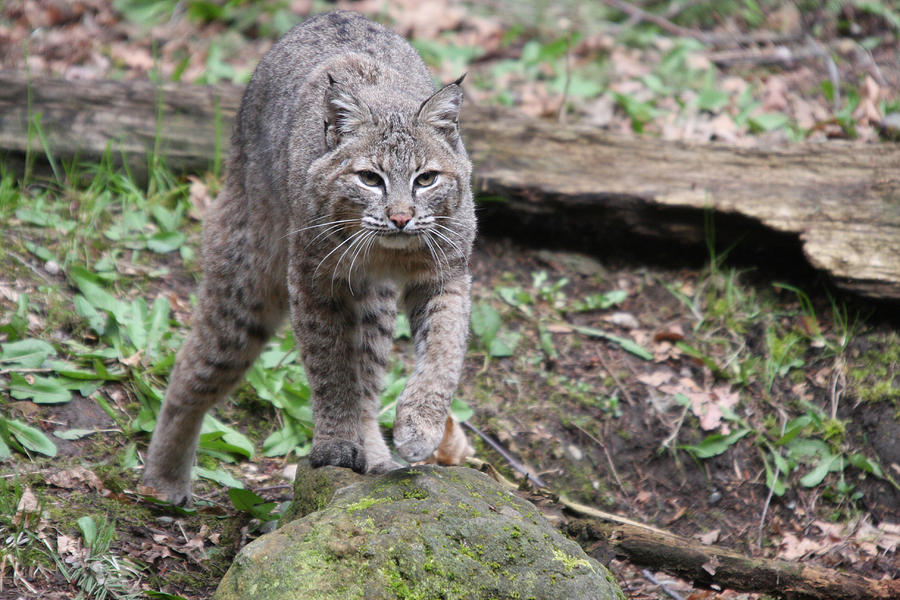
[515, 464]
[612, 466]
[32, 267]
[636, 15]
[671, 594]
[615, 379]
[836, 379]
[642, 15]
[765, 510]
[18, 370]
[561, 114]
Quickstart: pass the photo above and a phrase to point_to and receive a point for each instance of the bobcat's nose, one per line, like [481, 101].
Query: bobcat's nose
[400, 219]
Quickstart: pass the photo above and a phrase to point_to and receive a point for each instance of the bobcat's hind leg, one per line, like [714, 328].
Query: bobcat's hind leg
[242, 300]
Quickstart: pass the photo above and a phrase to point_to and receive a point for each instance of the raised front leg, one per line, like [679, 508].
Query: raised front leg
[439, 318]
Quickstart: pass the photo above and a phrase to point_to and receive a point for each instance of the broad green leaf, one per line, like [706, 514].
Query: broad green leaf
[165, 241]
[247, 501]
[600, 301]
[220, 476]
[5, 452]
[28, 354]
[793, 428]
[504, 344]
[626, 344]
[133, 323]
[716, 444]
[861, 462]
[485, 322]
[98, 297]
[31, 439]
[73, 434]
[129, 458]
[815, 477]
[461, 410]
[284, 441]
[402, 329]
[43, 391]
[768, 121]
[87, 311]
[231, 436]
[88, 528]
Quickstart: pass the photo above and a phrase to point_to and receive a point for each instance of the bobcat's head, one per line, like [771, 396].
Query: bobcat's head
[395, 172]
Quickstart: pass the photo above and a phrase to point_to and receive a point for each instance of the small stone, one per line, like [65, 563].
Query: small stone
[623, 319]
[574, 452]
[51, 267]
[890, 126]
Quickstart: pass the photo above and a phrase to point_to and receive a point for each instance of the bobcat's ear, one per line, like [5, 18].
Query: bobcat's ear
[344, 113]
[441, 111]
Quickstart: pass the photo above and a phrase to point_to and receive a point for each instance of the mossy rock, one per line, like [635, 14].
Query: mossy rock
[418, 533]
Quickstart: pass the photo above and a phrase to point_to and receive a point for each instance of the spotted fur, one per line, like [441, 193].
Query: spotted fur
[347, 190]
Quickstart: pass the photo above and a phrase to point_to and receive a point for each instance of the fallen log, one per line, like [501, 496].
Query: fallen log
[605, 534]
[838, 202]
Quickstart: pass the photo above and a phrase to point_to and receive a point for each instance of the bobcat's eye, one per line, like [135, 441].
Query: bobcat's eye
[370, 178]
[425, 179]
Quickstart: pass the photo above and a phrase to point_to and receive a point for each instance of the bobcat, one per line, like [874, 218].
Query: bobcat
[347, 190]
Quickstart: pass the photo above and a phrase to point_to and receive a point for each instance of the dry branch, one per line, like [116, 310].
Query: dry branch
[839, 202]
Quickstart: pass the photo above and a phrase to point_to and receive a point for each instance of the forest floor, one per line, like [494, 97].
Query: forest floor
[746, 405]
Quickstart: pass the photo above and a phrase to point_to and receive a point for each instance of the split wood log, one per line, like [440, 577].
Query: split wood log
[838, 202]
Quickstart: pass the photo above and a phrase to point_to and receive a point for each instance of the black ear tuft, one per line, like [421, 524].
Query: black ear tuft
[441, 110]
[344, 113]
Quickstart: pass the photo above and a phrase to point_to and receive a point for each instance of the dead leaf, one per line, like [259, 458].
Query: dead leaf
[133, 360]
[711, 565]
[793, 548]
[656, 378]
[68, 546]
[672, 333]
[709, 538]
[200, 198]
[28, 510]
[454, 448]
[76, 477]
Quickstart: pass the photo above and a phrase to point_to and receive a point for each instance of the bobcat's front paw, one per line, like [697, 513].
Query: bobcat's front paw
[176, 491]
[338, 453]
[416, 438]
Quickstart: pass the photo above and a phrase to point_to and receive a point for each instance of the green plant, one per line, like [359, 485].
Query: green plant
[99, 572]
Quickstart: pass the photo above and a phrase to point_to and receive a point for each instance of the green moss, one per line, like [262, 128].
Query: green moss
[372, 537]
[570, 562]
[872, 374]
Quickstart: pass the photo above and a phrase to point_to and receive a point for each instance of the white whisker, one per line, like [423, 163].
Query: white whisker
[338, 222]
[335, 249]
[453, 244]
[363, 245]
[357, 237]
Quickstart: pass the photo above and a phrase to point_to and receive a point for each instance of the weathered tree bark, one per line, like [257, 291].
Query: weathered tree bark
[838, 202]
